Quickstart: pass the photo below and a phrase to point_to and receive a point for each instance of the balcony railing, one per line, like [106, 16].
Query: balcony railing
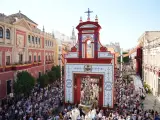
[20, 66]
[49, 62]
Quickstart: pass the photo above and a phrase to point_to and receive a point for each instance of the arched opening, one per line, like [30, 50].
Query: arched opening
[1, 32]
[7, 34]
[88, 49]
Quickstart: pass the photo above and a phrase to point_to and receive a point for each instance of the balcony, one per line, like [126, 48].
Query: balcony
[39, 63]
[8, 67]
[49, 62]
[1, 69]
[20, 66]
[35, 63]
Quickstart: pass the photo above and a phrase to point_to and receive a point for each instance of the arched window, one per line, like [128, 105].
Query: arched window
[88, 49]
[33, 39]
[1, 32]
[8, 34]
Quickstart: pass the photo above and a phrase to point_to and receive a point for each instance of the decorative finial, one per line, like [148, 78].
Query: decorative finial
[88, 12]
[43, 29]
[80, 19]
[19, 11]
[96, 18]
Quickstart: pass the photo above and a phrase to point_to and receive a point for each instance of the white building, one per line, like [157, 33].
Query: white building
[151, 60]
[115, 45]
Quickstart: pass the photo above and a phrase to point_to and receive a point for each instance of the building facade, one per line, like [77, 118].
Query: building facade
[23, 47]
[115, 49]
[151, 57]
[64, 44]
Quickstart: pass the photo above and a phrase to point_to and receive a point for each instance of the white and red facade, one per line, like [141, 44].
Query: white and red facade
[23, 47]
[150, 52]
[100, 61]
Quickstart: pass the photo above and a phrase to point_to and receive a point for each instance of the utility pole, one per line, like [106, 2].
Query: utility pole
[61, 74]
[121, 61]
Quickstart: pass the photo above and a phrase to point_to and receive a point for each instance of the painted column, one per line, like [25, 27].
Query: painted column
[101, 91]
[5, 40]
[80, 45]
[75, 79]
[78, 89]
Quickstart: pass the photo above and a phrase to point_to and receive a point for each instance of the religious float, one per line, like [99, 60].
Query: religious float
[89, 69]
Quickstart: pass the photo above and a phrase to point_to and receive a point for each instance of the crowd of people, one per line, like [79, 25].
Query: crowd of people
[42, 104]
[128, 105]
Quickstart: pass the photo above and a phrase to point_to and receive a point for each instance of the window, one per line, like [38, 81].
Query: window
[29, 38]
[46, 58]
[7, 60]
[36, 40]
[59, 48]
[1, 32]
[39, 58]
[30, 58]
[34, 58]
[39, 40]
[20, 58]
[46, 42]
[8, 34]
[49, 58]
[33, 39]
[50, 43]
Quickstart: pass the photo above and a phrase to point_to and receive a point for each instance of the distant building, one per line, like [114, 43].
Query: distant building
[23, 46]
[64, 45]
[114, 48]
[115, 45]
[151, 60]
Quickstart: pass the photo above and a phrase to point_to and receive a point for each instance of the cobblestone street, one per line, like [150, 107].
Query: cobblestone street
[150, 99]
[149, 102]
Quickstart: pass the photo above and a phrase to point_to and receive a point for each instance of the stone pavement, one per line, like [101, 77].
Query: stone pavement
[149, 102]
[150, 99]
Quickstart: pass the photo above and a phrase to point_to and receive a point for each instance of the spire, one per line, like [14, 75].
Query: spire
[73, 37]
[43, 29]
[96, 18]
[53, 34]
[73, 32]
[80, 20]
[19, 14]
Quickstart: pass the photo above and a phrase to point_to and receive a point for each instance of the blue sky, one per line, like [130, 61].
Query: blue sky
[122, 21]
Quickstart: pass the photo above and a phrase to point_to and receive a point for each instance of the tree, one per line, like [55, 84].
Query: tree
[43, 80]
[125, 59]
[24, 83]
[52, 76]
[57, 71]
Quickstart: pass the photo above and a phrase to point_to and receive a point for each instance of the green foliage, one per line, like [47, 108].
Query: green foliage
[146, 86]
[125, 59]
[24, 83]
[43, 80]
[57, 71]
[52, 76]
